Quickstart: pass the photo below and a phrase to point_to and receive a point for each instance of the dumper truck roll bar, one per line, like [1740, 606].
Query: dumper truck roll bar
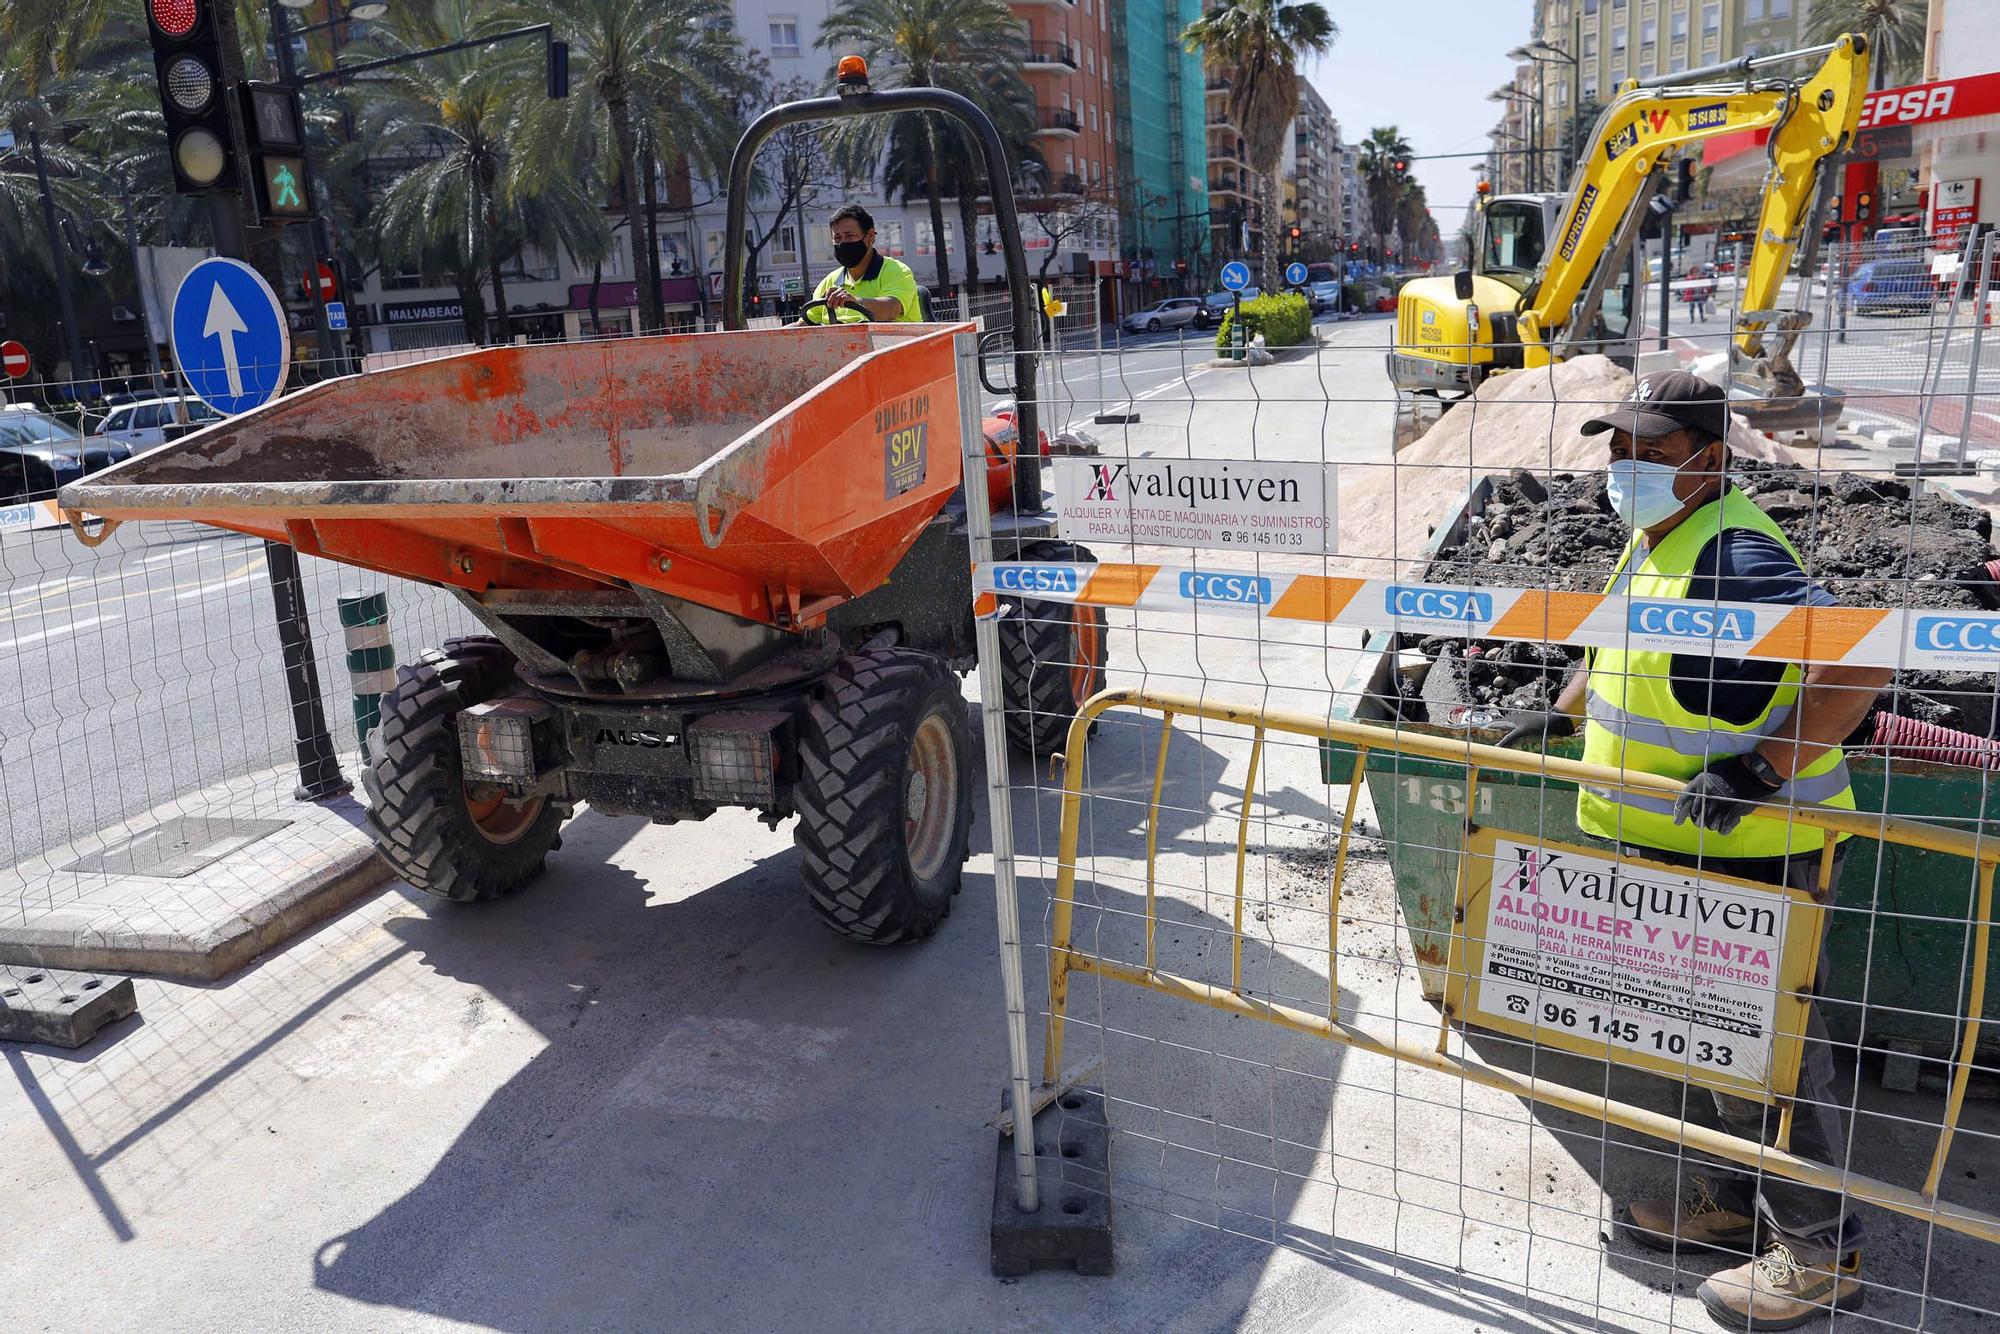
[857, 99]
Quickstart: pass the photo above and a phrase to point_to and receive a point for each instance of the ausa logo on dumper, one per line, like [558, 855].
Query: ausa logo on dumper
[632, 736]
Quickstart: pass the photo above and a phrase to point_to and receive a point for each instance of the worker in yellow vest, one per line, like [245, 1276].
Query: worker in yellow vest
[1749, 738]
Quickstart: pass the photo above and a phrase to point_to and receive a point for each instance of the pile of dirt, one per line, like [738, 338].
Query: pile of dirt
[1529, 420]
[1868, 540]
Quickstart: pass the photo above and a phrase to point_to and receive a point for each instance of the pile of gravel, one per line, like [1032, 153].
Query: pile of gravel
[1867, 539]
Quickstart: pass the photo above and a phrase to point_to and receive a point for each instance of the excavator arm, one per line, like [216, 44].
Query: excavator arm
[1810, 121]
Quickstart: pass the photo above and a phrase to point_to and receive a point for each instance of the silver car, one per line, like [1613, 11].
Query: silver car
[152, 421]
[1173, 313]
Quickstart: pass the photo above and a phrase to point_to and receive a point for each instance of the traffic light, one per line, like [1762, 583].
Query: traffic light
[1401, 166]
[276, 122]
[1836, 209]
[1297, 233]
[187, 58]
[1864, 205]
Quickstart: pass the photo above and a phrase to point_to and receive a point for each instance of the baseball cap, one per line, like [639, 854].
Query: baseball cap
[1665, 402]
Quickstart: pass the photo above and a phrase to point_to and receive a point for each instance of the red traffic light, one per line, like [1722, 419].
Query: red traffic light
[175, 18]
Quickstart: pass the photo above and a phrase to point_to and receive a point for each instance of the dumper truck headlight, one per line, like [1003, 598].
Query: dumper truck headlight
[736, 757]
[496, 740]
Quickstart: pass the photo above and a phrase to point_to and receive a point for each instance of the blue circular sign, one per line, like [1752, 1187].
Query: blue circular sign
[230, 337]
[1235, 275]
[1295, 274]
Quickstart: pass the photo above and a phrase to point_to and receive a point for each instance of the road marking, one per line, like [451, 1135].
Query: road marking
[175, 553]
[60, 630]
[202, 590]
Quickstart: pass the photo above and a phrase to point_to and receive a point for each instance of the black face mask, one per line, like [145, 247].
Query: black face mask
[850, 253]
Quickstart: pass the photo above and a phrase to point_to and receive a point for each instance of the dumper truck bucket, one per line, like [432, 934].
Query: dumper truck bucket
[768, 473]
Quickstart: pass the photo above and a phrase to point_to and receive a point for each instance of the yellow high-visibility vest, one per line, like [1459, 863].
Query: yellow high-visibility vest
[1633, 722]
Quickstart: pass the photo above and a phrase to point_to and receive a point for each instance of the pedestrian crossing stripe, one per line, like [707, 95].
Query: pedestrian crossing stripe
[1893, 637]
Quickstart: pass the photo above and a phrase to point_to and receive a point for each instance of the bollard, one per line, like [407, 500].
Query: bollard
[371, 658]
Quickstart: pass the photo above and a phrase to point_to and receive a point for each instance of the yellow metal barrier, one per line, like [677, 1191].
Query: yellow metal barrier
[1065, 960]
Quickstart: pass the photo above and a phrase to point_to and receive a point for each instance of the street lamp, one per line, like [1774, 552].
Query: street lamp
[1543, 52]
[1510, 92]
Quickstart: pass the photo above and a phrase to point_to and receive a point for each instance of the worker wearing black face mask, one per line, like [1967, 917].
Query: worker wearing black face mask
[868, 285]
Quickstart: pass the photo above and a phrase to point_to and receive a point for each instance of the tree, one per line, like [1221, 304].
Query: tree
[1262, 43]
[1578, 133]
[653, 82]
[1385, 157]
[1069, 216]
[971, 47]
[465, 202]
[1894, 30]
[789, 173]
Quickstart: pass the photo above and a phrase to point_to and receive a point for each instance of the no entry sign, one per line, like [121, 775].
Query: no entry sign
[14, 360]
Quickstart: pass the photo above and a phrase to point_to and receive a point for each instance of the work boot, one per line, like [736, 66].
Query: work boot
[1695, 1219]
[1782, 1289]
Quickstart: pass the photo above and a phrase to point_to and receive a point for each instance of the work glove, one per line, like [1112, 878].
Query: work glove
[1537, 725]
[1720, 796]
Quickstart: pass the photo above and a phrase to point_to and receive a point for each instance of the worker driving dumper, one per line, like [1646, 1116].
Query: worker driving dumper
[1748, 737]
[866, 284]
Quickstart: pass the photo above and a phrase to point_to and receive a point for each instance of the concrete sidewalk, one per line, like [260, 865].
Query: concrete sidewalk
[194, 888]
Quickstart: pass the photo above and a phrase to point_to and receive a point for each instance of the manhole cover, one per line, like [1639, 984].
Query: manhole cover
[180, 846]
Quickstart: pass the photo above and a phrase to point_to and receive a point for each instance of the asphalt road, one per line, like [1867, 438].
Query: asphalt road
[149, 668]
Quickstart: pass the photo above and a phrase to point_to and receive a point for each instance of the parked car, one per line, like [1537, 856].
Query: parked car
[145, 422]
[1324, 297]
[1216, 304]
[1884, 285]
[1174, 313]
[39, 454]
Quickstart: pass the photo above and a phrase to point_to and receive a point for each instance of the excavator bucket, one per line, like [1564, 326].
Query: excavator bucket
[771, 474]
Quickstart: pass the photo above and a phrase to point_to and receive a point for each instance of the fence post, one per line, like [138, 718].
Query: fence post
[999, 794]
[371, 657]
[1982, 268]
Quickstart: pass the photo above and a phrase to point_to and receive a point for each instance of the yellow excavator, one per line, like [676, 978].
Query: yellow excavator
[1551, 274]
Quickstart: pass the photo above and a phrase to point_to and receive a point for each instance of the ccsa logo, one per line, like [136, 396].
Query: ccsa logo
[1683, 620]
[1424, 603]
[1035, 578]
[1958, 634]
[1244, 588]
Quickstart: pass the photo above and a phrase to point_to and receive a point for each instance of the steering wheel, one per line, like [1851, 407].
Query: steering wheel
[867, 317]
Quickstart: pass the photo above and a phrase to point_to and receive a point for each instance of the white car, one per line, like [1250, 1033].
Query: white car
[1173, 313]
[144, 422]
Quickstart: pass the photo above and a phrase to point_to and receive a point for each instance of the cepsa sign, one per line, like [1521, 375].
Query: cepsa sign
[1949, 99]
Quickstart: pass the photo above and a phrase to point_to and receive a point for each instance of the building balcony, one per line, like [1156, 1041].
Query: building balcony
[1059, 122]
[1051, 57]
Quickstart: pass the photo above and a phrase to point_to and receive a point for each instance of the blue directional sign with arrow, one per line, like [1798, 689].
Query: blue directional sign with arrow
[1236, 275]
[230, 336]
[1295, 274]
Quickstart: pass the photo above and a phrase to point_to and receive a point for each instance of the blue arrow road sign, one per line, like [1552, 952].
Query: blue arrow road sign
[1295, 274]
[336, 315]
[1236, 275]
[230, 336]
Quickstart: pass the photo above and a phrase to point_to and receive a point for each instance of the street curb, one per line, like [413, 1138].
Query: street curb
[277, 919]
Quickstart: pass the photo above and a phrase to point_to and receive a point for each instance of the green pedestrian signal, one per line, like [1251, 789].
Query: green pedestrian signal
[285, 189]
[282, 192]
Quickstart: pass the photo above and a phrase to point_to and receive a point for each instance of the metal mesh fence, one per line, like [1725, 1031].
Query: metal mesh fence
[1354, 983]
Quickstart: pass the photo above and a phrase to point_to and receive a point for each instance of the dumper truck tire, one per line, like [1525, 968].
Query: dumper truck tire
[433, 832]
[884, 795]
[1052, 659]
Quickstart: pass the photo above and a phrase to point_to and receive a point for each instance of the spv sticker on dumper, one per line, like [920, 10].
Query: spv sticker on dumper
[1207, 503]
[1694, 976]
[905, 428]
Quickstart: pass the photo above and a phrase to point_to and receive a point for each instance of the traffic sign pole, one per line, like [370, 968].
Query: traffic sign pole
[312, 744]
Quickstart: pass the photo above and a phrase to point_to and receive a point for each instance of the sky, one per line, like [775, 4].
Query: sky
[1425, 68]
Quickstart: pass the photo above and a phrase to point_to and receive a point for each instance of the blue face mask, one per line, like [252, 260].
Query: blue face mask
[1643, 492]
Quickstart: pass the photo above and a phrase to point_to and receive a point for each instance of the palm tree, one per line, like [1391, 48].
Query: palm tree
[656, 82]
[1381, 151]
[1262, 42]
[466, 202]
[971, 47]
[1894, 30]
[1413, 219]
